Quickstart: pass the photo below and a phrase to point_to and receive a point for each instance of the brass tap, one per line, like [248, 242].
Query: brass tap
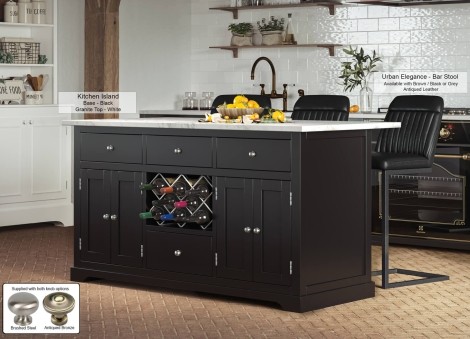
[273, 94]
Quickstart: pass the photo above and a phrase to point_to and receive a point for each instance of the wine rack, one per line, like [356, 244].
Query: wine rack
[204, 202]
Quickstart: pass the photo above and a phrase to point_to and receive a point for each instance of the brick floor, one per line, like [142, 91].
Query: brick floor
[43, 253]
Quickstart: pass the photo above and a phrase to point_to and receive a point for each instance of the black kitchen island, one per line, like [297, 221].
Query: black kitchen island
[287, 212]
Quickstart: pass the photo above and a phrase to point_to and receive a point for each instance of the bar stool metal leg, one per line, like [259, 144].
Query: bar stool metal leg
[385, 240]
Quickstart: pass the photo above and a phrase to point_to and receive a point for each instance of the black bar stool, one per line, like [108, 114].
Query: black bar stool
[409, 149]
[321, 107]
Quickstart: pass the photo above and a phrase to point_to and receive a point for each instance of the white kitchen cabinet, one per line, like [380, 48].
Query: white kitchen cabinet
[35, 166]
[35, 161]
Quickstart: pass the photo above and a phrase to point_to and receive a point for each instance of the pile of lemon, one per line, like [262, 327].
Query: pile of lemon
[276, 115]
[241, 101]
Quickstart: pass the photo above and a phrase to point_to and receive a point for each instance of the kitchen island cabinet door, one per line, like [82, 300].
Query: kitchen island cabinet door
[234, 217]
[95, 227]
[272, 232]
[253, 230]
[111, 231]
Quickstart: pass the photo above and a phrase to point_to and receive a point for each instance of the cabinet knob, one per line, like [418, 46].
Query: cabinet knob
[106, 216]
[252, 154]
[177, 253]
[247, 229]
[114, 217]
[58, 304]
[110, 148]
[30, 122]
[23, 304]
[24, 122]
[178, 151]
[257, 230]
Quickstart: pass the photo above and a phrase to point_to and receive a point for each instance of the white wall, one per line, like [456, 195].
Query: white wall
[71, 45]
[420, 38]
[155, 51]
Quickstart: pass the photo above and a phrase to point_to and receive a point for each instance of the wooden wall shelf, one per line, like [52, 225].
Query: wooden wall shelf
[234, 49]
[329, 4]
[397, 3]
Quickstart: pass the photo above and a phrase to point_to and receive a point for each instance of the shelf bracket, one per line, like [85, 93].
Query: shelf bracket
[233, 10]
[331, 8]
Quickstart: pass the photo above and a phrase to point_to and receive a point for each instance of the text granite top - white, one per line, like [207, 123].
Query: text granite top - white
[193, 123]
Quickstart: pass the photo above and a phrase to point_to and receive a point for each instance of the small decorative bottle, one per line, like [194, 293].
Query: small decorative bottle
[289, 32]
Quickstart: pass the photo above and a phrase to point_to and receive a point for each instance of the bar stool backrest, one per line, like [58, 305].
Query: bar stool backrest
[321, 107]
[420, 117]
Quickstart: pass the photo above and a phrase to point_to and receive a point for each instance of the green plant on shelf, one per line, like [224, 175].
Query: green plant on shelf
[6, 58]
[274, 24]
[42, 59]
[242, 28]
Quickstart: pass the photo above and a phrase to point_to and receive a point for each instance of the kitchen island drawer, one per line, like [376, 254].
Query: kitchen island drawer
[254, 154]
[111, 148]
[176, 252]
[179, 151]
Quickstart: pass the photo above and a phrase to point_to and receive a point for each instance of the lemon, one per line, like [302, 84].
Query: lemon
[255, 116]
[226, 117]
[230, 106]
[252, 104]
[240, 105]
[276, 115]
[281, 117]
[240, 99]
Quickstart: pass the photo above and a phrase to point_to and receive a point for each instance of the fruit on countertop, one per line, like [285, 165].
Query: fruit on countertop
[354, 109]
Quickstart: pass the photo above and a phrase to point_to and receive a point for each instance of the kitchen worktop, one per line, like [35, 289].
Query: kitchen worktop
[381, 116]
[193, 123]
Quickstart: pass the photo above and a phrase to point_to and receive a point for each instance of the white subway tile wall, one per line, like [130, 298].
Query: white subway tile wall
[420, 38]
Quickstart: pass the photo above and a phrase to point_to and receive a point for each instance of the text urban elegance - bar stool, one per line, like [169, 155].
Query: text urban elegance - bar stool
[321, 107]
[409, 149]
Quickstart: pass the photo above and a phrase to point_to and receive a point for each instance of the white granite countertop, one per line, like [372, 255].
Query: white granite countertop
[192, 123]
[381, 116]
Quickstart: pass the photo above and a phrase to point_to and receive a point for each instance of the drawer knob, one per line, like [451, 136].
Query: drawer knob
[247, 229]
[58, 304]
[110, 148]
[178, 151]
[257, 230]
[23, 304]
[252, 154]
[114, 217]
[177, 253]
[106, 216]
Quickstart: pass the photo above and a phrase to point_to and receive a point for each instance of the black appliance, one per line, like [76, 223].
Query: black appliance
[432, 209]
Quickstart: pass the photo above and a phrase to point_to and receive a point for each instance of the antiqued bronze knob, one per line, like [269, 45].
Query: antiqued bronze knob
[58, 304]
[23, 304]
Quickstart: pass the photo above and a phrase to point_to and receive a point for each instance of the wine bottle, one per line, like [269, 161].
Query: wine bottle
[168, 200]
[154, 213]
[154, 185]
[200, 217]
[179, 188]
[192, 202]
[289, 33]
[201, 190]
[179, 215]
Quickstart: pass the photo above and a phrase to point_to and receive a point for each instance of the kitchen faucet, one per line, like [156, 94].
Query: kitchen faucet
[273, 94]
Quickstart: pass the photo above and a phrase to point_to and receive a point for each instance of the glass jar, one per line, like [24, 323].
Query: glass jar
[190, 101]
[206, 102]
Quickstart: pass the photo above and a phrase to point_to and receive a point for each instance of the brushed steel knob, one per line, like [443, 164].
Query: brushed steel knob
[177, 253]
[23, 304]
[106, 216]
[256, 230]
[58, 304]
[252, 154]
[178, 151]
[247, 229]
[110, 148]
[113, 217]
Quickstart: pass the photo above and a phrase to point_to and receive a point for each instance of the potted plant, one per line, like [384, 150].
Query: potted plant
[241, 34]
[356, 73]
[271, 30]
